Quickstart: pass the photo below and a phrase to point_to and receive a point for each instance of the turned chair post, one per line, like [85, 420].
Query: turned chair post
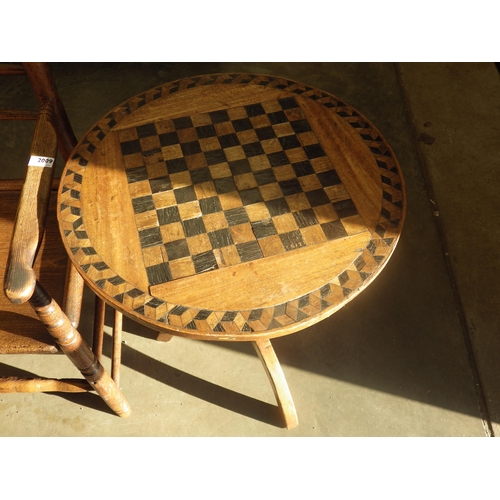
[74, 346]
[45, 88]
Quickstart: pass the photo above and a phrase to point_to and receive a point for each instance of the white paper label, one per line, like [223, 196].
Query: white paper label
[41, 161]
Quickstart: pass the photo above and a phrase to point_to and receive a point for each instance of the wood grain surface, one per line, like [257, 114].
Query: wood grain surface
[231, 207]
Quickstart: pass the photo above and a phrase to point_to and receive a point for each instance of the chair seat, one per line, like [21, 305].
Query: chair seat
[20, 330]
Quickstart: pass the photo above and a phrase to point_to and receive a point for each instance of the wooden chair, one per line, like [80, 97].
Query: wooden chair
[31, 251]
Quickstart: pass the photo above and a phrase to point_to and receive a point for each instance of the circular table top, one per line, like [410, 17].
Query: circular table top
[231, 207]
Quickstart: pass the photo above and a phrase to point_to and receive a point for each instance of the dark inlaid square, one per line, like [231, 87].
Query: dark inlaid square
[255, 315]
[155, 303]
[263, 228]
[143, 204]
[253, 149]
[160, 184]
[236, 216]
[135, 292]
[215, 157]
[100, 266]
[200, 175]
[277, 117]
[203, 314]
[314, 151]
[304, 301]
[249, 251]
[265, 133]
[334, 230]
[345, 208]
[278, 159]
[229, 316]
[78, 177]
[278, 206]
[116, 280]
[224, 185]
[131, 147]
[290, 186]
[317, 197]
[205, 131]
[329, 178]
[302, 168]
[242, 124]
[178, 310]
[193, 227]
[204, 261]
[300, 126]
[184, 122]
[159, 273]
[176, 165]
[250, 196]
[279, 310]
[254, 110]
[264, 176]
[136, 174]
[220, 238]
[219, 116]
[185, 194]
[146, 130]
[150, 237]
[240, 166]
[288, 103]
[75, 194]
[210, 205]
[168, 139]
[229, 140]
[190, 148]
[305, 218]
[292, 240]
[168, 215]
[289, 142]
[177, 249]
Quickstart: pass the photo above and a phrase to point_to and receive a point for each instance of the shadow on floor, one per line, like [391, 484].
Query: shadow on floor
[402, 347]
[177, 379]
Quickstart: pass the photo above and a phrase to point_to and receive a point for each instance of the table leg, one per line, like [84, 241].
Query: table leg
[72, 344]
[116, 355]
[277, 378]
[164, 337]
[72, 301]
[98, 333]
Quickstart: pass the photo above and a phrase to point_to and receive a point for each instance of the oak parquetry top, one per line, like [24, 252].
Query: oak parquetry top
[231, 207]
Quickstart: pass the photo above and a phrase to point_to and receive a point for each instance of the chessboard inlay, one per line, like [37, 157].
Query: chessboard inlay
[217, 189]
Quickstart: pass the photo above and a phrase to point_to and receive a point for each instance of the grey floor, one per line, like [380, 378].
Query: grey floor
[416, 354]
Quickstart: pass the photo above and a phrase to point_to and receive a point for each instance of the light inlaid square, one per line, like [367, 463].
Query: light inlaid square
[198, 244]
[189, 210]
[172, 232]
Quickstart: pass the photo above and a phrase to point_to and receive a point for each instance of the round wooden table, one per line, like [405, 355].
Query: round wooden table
[231, 207]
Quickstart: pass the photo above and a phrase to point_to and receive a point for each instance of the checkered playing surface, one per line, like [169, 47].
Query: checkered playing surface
[217, 189]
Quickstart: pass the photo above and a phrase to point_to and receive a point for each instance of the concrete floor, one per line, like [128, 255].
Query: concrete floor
[416, 354]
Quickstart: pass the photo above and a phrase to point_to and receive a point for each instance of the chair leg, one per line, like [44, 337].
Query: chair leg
[116, 355]
[72, 344]
[73, 295]
[278, 382]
